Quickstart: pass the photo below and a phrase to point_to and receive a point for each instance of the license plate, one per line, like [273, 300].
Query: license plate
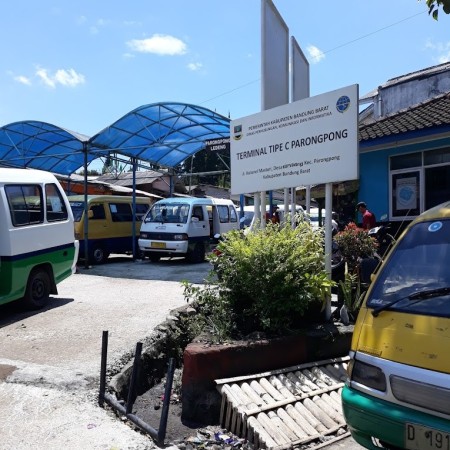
[158, 245]
[418, 437]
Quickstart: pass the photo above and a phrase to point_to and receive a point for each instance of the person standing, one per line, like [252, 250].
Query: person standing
[368, 218]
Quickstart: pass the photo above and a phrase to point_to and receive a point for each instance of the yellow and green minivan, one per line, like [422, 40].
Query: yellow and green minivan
[398, 392]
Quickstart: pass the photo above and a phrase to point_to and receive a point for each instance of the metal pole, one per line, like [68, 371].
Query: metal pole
[134, 375]
[101, 396]
[328, 241]
[86, 209]
[166, 403]
[263, 209]
[171, 187]
[134, 209]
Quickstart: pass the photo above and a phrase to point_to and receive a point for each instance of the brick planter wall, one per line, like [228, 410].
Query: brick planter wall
[204, 363]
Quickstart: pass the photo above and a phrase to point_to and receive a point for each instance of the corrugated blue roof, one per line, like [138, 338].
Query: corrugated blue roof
[162, 133]
[41, 145]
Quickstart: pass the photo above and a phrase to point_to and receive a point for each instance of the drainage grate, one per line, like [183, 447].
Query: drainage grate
[299, 406]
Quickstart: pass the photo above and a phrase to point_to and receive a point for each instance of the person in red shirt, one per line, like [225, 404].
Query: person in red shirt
[368, 218]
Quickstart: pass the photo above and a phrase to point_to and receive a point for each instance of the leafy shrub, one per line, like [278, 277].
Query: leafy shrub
[354, 244]
[270, 280]
[352, 293]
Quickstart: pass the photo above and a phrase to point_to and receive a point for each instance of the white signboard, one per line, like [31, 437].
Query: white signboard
[311, 141]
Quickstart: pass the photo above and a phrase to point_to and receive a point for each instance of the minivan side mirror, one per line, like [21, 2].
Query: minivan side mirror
[90, 214]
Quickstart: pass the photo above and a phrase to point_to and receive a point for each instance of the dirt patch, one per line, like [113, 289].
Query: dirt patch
[148, 407]
[6, 371]
[184, 435]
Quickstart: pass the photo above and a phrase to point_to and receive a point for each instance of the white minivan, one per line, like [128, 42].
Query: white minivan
[38, 248]
[185, 226]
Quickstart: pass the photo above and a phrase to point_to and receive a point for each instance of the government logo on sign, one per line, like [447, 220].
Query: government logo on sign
[343, 103]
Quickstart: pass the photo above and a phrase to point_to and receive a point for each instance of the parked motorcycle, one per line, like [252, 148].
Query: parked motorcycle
[384, 238]
[337, 265]
[385, 241]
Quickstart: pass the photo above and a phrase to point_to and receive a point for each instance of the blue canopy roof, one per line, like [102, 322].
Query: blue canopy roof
[165, 134]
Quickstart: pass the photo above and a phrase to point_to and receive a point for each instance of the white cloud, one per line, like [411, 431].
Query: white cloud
[131, 23]
[63, 77]
[81, 20]
[42, 74]
[159, 44]
[315, 53]
[195, 66]
[69, 77]
[441, 49]
[23, 80]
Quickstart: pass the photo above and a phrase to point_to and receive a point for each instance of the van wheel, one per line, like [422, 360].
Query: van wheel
[38, 290]
[98, 255]
[154, 258]
[197, 255]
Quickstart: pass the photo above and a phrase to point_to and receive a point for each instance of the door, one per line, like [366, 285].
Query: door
[199, 224]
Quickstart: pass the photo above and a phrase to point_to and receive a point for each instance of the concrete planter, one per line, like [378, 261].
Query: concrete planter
[204, 363]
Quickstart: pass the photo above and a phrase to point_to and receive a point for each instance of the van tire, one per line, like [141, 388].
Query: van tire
[37, 293]
[197, 255]
[98, 255]
[154, 258]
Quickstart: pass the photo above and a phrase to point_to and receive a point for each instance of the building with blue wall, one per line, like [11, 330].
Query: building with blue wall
[404, 150]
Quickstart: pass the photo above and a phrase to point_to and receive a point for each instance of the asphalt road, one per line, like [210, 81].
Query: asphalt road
[50, 359]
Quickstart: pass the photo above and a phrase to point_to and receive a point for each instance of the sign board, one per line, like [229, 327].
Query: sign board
[215, 145]
[311, 141]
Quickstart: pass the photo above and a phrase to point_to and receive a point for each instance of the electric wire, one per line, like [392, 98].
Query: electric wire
[322, 53]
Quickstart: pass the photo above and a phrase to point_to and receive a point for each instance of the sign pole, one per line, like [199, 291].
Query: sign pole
[328, 241]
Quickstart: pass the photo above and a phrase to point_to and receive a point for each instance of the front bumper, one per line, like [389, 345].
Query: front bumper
[177, 247]
[368, 417]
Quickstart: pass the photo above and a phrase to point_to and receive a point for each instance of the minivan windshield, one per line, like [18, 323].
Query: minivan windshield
[168, 213]
[77, 210]
[416, 268]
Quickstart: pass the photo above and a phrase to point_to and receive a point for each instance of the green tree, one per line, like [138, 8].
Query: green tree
[90, 172]
[433, 7]
[205, 161]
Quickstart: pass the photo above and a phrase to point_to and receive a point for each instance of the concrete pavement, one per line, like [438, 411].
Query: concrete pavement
[50, 359]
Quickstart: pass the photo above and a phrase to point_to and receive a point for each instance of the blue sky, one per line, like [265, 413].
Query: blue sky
[83, 64]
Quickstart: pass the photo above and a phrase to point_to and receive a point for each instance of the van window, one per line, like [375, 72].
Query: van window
[224, 214]
[25, 204]
[419, 264]
[162, 212]
[98, 212]
[233, 215]
[197, 211]
[140, 211]
[56, 208]
[120, 212]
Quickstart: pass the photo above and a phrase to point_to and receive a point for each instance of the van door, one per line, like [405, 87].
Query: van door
[228, 219]
[199, 224]
[98, 223]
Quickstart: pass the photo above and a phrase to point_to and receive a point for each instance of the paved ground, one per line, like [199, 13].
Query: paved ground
[50, 360]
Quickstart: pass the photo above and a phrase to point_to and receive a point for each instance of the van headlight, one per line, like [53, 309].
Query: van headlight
[367, 375]
[143, 236]
[180, 237]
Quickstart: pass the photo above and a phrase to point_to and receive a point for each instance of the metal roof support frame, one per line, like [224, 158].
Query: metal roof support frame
[134, 165]
[86, 218]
